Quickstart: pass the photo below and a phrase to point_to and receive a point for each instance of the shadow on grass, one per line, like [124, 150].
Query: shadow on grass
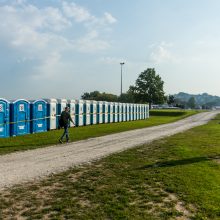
[182, 162]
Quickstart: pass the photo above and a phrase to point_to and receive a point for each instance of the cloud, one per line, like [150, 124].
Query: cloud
[161, 53]
[44, 35]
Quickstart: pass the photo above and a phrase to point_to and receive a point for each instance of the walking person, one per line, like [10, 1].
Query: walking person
[64, 120]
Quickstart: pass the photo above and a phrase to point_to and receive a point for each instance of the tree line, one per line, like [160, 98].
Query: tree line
[148, 88]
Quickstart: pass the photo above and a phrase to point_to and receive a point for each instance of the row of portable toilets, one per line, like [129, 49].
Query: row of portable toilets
[22, 117]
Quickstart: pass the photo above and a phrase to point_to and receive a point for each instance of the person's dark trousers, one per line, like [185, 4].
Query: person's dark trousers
[65, 133]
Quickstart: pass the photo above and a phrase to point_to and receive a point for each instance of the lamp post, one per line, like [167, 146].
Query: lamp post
[121, 75]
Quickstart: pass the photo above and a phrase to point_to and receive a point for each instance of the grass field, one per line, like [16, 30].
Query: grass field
[32, 141]
[173, 178]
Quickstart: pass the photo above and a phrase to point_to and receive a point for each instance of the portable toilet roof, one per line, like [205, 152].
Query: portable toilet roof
[49, 100]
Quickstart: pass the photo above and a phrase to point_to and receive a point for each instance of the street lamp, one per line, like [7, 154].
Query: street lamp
[121, 75]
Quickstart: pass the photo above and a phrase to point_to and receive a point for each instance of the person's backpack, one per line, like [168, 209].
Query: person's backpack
[61, 124]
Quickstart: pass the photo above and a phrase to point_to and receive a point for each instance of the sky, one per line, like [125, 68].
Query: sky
[63, 48]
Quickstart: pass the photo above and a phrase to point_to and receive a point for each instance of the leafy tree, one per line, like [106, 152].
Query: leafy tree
[148, 88]
[126, 97]
[170, 100]
[96, 95]
[191, 102]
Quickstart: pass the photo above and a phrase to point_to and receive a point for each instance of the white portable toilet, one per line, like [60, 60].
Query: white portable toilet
[119, 112]
[79, 112]
[110, 112]
[72, 106]
[61, 105]
[93, 116]
[135, 112]
[131, 111]
[128, 111]
[99, 112]
[86, 112]
[51, 113]
[105, 112]
[147, 111]
[115, 112]
[138, 111]
[123, 112]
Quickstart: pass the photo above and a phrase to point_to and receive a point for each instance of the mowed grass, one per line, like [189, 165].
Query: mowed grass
[32, 141]
[173, 178]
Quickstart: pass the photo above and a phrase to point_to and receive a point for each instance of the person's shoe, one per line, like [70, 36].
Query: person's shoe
[68, 140]
[60, 141]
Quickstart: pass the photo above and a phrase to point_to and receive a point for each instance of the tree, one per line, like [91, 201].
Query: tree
[170, 100]
[148, 88]
[96, 95]
[191, 102]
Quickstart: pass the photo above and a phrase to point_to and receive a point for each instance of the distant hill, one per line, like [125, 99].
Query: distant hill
[201, 99]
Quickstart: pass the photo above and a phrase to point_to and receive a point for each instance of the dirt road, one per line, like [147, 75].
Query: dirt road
[33, 164]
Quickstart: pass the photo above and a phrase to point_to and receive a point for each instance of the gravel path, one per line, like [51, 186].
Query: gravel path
[29, 165]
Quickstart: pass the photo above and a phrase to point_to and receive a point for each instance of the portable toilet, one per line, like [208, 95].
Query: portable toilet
[61, 105]
[86, 112]
[110, 112]
[99, 112]
[93, 109]
[51, 114]
[115, 112]
[135, 111]
[131, 118]
[72, 106]
[147, 111]
[4, 118]
[119, 112]
[128, 112]
[105, 112]
[138, 111]
[38, 116]
[123, 112]
[79, 112]
[20, 117]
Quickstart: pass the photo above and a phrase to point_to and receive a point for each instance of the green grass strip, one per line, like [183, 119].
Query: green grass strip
[38, 140]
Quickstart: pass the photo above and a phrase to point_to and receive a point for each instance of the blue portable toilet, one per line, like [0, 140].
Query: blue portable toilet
[20, 117]
[4, 118]
[38, 116]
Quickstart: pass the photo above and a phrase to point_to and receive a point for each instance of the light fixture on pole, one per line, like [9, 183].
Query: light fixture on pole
[121, 75]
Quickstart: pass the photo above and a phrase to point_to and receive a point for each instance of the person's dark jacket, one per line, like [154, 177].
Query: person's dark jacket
[64, 119]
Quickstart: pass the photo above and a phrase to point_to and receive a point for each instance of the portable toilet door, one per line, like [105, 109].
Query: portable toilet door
[119, 112]
[72, 106]
[99, 112]
[93, 116]
[20, 117]
[147, 111]
[4, 118]
[61, 105]
[86, 112]
[110, 112]
[123, 112]
[115, 112]
[79, 113]
[135, 111]
[131, 112]
[128, 112]
[105, 112]
[38, 116]
[51, 113]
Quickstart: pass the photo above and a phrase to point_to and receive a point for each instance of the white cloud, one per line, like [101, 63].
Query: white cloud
[91, 43]
[161, 53]
[109, 18]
